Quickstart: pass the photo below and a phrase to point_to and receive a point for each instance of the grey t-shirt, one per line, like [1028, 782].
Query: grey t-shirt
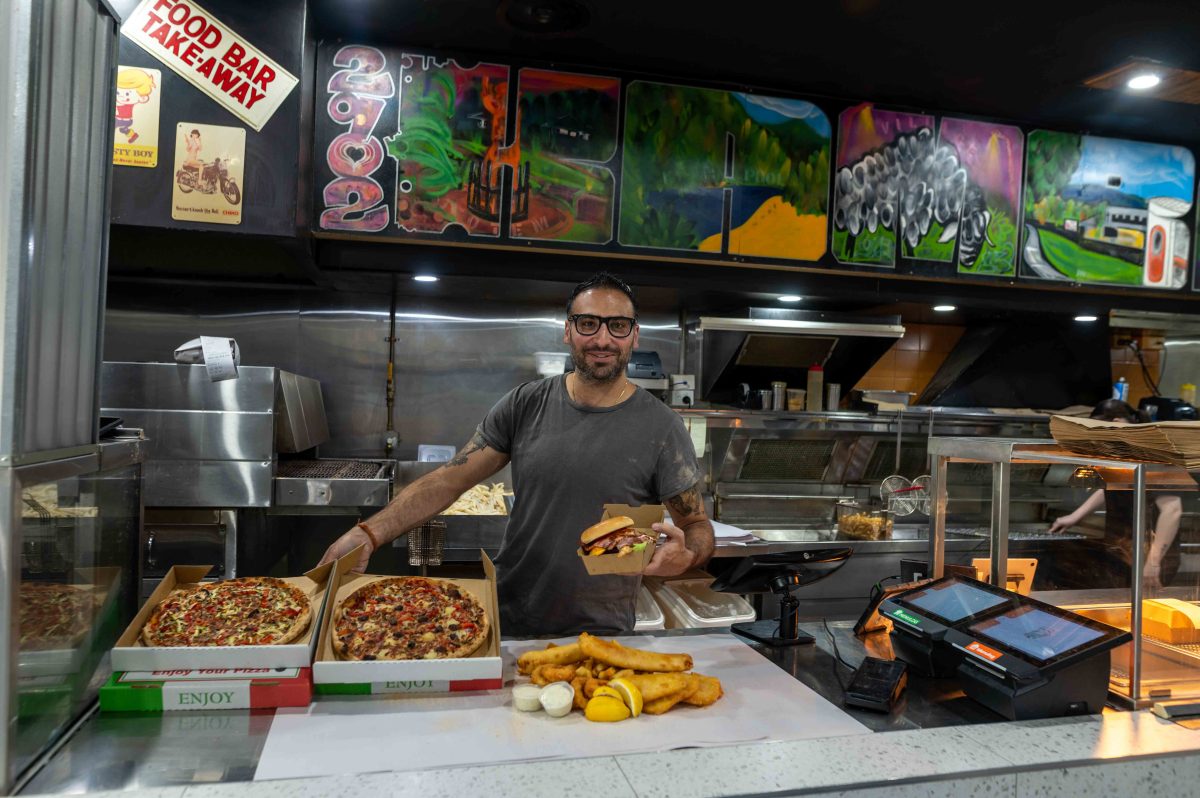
[568, 460]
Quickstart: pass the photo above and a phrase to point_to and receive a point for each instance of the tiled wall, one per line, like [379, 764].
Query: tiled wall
[913, 360]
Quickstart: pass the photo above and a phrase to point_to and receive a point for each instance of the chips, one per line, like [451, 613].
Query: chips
[663, 680]
[480, 500]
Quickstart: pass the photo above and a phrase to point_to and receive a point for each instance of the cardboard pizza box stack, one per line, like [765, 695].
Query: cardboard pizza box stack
[643, 517]
[483, 670]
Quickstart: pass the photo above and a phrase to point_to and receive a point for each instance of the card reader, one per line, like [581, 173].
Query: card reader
[877, 684]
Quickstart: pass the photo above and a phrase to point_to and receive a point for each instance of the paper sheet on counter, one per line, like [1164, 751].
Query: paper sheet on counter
[370, 734]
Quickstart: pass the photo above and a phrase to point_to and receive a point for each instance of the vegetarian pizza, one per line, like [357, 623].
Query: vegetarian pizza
[409, 617]
[250, 611]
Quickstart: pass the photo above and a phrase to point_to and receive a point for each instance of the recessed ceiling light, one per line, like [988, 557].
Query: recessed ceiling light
[790, 298]
[1146, 80]
[1085, 318]
[425, 278]
[944, 308]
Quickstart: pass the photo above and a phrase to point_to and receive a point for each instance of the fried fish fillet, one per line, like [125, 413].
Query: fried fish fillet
[708, 692]
[553, 655]
[614, 653]
[654, 686]
[545, 674]
[660, 705]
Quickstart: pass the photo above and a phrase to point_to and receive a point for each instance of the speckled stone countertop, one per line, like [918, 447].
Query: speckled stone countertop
[1118, 753]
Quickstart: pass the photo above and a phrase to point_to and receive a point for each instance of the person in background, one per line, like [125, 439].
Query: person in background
[576, 442]
[1164, 510]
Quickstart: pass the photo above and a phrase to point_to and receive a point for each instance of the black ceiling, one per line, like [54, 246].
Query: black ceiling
[1017, 61]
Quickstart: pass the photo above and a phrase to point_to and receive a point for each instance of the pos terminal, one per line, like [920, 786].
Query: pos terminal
[1018, 656]
[922, 617]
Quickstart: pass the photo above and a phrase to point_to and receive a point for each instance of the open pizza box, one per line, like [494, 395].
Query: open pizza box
[643, 517]
[483, 670]
[64, 657]
[130, 654]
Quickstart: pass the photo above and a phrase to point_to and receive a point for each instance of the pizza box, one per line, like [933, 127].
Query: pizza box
[66, 657]
[130, 654]
[484, 670]
[207, 689]
[643, 516]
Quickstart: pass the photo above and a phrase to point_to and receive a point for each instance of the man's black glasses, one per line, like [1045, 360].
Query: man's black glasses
[587, 324]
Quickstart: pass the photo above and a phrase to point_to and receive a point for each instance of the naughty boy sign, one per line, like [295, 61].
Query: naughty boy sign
[211, 57]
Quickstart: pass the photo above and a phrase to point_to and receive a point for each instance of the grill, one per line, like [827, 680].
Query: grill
[1014, 534]
[333, 483]
[770, 460]
[328, 469]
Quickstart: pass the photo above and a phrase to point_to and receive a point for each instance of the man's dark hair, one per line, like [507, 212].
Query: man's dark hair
[603, 280]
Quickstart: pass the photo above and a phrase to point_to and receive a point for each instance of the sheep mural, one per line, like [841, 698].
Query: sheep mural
[949, 198]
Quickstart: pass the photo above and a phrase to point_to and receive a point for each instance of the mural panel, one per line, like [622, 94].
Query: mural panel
[449, 146]
[567, 143]
[949, 197]
[1101, 210]
[727, 172]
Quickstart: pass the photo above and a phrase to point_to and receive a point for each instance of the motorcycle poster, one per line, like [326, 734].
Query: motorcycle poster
[135, 142]
[209, 165]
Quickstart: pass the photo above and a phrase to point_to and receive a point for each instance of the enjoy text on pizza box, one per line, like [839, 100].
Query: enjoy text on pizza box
[131, 654]
[643, 517]
[482, 670]
[206, 689]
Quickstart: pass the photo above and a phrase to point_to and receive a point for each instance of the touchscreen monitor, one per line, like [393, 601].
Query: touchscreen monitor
[953, 601]
[1036, 632]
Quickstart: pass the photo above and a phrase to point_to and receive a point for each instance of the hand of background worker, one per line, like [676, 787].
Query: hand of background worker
[346, 544]
[1063, 524]
[1152, 575]
[672, 557]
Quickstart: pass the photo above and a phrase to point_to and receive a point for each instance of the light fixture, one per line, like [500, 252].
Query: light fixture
[1085, 318]
[1145, 80]
[790, 298]
[944, 308]
[425, 278]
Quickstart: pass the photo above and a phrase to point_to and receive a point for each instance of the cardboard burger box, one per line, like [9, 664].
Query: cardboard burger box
[207, 689]
[483, 670]
[130, 654]
[634, 563]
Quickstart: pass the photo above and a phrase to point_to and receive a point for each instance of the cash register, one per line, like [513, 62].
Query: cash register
[1016, 655]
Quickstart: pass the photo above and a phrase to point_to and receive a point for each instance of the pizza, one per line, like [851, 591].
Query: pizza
[409, 617]
[249, 611]
[55, 615]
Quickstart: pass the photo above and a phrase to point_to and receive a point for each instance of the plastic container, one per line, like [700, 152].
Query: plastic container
[816, 388]
[859, 522]
[648, 615]
[691, 604]
[1121, 390]
[1187, 392]
[795, 398]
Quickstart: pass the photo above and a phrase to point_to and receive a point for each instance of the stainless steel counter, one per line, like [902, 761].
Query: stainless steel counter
[126, 752]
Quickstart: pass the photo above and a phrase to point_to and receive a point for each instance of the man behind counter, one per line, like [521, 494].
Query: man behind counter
[576, 442]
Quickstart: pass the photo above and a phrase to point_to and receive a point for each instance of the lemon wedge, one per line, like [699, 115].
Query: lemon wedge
[630, 695]
[608, 691]
[605, 709]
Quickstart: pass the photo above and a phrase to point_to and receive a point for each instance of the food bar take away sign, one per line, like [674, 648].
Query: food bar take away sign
[211, 57]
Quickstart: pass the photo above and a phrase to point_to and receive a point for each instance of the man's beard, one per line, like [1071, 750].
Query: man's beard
[607, 372]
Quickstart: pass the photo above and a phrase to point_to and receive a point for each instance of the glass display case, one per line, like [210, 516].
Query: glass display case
[1114, 547]
[76, 525]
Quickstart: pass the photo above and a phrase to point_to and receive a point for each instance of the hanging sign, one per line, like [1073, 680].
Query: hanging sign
[211, 57]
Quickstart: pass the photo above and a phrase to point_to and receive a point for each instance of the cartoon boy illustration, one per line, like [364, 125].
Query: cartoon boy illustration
[134, 87]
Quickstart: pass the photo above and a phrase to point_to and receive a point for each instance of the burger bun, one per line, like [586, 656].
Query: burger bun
[605, 527]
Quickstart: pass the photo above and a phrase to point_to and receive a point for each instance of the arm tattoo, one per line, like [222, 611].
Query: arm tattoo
[686, 504]
[476, 444]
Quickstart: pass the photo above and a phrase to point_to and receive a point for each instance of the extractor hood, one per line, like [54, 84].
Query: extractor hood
[760, 345]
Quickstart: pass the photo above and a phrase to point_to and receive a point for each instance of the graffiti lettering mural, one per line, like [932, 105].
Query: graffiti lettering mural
[726, 172]
[568, 135]
[353, 200]
[1101, 210]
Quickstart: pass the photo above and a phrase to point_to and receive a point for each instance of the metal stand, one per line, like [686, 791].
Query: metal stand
[786, 630]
